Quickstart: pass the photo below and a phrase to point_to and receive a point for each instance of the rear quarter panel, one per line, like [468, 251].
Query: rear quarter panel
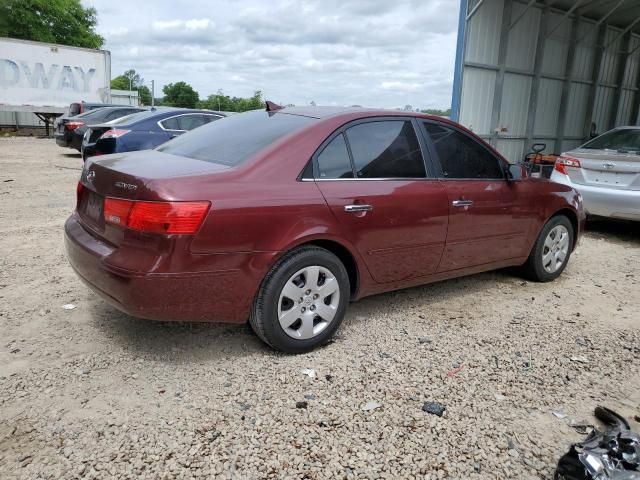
[553, 198]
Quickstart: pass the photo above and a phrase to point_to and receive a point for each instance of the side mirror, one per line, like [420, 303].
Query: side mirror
[515, 172]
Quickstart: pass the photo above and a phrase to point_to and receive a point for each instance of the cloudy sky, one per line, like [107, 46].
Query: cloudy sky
[383, 53]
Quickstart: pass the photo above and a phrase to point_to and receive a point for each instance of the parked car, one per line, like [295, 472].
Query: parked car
[284, 217]
[606, 171]
[143, 130]
[77, 108]
[70, 130]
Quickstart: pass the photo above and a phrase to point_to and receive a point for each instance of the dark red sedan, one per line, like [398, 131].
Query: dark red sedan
[284, 217]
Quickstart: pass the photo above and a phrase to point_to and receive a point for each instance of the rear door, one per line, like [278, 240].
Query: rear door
[481, 205]
[382, 191]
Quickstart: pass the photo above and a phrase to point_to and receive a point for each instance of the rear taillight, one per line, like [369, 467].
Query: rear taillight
[73, 125]
[114, 133]
[79, 190]
[175, 218]
[565, 161]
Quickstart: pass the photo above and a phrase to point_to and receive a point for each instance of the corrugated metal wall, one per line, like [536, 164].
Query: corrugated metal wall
[560, 87]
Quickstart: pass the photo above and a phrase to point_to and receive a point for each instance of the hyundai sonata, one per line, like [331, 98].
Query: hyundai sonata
[283, 217]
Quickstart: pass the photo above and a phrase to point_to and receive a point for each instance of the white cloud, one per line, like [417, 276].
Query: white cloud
[366, 52]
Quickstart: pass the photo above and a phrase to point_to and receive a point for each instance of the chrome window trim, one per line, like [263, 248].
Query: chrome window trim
[390, 179]
[159, 122]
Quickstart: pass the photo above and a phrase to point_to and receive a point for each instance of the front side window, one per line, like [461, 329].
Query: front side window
[333, 161]
[386, 149]
[461, 156]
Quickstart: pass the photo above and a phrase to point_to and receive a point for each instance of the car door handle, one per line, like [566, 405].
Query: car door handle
[462, 203]
[358, 208]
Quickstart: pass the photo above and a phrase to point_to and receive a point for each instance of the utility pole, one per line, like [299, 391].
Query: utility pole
[153, 95]
[130, 94]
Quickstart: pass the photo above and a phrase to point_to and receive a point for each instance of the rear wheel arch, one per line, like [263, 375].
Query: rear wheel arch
[339, 249]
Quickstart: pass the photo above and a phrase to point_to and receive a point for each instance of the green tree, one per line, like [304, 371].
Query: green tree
[65, 22]
[132, 80]
[225, 103]
[435, 111]
[179, 94]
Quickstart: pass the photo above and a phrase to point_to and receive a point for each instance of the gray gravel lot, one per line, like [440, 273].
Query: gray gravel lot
[93, 393]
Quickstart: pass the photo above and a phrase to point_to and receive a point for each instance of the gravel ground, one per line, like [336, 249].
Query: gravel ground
[93, 393]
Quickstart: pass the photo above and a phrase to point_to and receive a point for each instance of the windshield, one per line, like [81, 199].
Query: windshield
[232, 140]
[627, 139]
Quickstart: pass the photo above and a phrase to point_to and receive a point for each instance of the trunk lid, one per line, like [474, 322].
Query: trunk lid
[606, 168]
[147, 175]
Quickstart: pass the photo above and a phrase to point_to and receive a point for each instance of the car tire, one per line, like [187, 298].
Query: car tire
[552, 250]
[311, 317]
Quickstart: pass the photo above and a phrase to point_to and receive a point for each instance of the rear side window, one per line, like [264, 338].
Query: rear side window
[333, 161]
[170, 124]
[234, 139]
[462, 157]
[386, 149]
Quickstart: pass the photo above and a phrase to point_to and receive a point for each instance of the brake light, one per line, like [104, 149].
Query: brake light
[171, 218]
[73, 125]
[565, 161]
[114, 133]
[79, 189]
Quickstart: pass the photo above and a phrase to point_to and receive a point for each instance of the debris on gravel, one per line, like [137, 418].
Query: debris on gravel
[434, 408]
[367, 407]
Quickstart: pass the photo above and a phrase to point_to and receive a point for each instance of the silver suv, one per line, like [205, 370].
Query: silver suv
[606, 171]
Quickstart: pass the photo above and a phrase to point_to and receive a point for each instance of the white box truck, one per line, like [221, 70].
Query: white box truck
[44, 78]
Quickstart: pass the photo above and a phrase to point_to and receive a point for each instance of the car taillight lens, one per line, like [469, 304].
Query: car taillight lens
[79, 190]
[564, 161]
[114, 133]
[171, 218]
[73, 125]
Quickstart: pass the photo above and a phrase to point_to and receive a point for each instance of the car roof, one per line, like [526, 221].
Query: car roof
[328, 112]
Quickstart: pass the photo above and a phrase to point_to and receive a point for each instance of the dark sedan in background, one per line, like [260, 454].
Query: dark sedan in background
[144, 130]
[70, 129]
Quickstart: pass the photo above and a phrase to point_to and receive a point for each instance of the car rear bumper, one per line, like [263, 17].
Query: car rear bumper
[211, 295]
[61, 139]
[606, 202]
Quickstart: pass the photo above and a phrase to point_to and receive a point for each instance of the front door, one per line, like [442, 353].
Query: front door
[373, 177]
[480, 230]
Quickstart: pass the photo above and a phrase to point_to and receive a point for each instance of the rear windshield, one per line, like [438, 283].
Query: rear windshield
[232, 140]
[620, 139]
[134, 117]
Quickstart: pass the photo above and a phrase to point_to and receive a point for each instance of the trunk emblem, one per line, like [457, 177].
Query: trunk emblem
[608, 165]
[91, 175]
[126, 186]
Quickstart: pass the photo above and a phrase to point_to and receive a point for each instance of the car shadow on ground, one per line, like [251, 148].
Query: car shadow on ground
[175, 342]
[72, 155]
[619, 231]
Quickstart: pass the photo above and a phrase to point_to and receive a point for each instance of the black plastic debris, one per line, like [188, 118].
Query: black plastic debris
[613, 454]
[434, 408]
[302, 404]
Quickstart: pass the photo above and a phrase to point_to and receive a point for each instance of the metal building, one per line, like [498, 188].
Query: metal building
[546, 71]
